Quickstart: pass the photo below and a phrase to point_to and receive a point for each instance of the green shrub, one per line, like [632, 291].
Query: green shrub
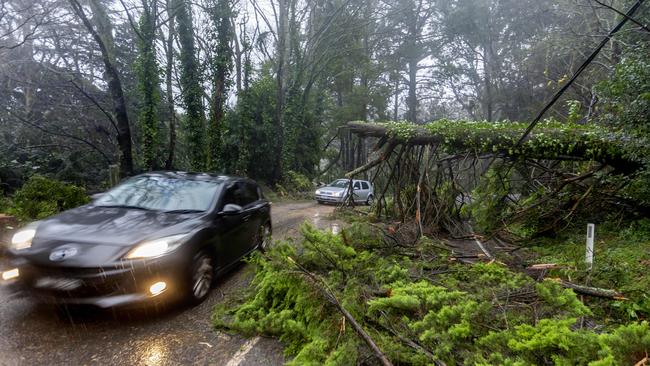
[296, 182]
[41, 197]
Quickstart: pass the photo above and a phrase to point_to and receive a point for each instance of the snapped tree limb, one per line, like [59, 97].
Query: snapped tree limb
[355, 325]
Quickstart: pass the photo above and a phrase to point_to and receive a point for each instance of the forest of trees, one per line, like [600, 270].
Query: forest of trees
[260, 88]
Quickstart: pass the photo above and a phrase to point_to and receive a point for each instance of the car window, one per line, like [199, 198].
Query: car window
[357, 185]
[249, 194]
[365, 185]
[340, 183]
[240, 193]
[162, 194]
[232, 195]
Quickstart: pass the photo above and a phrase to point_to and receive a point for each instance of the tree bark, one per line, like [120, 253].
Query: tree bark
[104, 41]
[281, 75]
[169, 163]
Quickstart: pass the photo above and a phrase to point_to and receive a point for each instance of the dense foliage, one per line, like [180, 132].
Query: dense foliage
[41, 197]
[422, 307]
[82, 80]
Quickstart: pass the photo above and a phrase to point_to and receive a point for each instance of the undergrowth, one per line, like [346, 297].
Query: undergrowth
[41, 197]
[621, 262]
[420, 306]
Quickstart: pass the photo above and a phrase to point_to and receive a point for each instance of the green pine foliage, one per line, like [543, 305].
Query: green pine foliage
[456, 313]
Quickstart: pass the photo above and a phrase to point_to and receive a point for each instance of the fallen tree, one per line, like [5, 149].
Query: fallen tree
[447, 172]
[550, 141]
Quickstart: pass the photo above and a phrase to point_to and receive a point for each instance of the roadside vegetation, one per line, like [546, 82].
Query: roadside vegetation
[41, 197]
[422, 306]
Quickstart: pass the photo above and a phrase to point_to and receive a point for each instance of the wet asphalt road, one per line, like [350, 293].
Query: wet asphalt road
[33, 334]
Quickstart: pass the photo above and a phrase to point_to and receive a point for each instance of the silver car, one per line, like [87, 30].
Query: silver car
[338, 191]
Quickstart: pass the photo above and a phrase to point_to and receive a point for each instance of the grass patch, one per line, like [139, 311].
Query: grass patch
[621, 262]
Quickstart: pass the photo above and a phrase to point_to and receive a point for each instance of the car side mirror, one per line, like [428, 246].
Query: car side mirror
[231, 209]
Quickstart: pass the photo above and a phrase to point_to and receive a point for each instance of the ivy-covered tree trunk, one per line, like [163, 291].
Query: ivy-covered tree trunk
[221, 65]
[192, 92]
[169, 49]
[148, 81]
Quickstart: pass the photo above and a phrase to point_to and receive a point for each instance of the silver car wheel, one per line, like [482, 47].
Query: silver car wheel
[202, 277]
[371, 200]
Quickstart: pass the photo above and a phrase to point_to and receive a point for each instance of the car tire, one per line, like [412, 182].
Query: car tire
[201, 277]
[319, 202]
[370, 200]
[264, 237]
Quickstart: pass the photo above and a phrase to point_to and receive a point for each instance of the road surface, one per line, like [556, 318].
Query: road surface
[32, 334]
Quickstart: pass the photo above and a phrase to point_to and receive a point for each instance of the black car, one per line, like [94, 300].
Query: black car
[155, 237]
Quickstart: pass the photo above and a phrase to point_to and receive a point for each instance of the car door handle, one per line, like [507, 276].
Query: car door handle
[247, 217]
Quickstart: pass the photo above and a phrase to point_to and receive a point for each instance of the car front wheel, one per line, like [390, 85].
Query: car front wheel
[201, 276]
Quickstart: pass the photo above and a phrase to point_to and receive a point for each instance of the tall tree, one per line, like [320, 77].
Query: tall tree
[191, 90]
[221, 14]
[101, 32]
[281, 74]
[148, 84]
[169, 89]
[410, 27]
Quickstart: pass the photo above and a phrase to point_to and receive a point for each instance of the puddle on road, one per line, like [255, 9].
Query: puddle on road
[152, 354]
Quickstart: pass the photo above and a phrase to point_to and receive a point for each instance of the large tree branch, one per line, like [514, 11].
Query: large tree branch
[631, 19]
[608, 149]
[62, 134]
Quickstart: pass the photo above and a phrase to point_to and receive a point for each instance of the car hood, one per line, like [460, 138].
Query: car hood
[100, 235]
[331, 189]
[111, 225]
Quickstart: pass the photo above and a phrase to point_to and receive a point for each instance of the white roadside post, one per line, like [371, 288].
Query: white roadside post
[589, 256]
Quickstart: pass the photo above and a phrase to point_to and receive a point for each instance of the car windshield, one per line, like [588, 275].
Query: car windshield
[161, 194]
[340, 183]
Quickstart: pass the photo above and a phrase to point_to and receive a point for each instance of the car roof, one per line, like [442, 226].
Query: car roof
[217, 178]
[354, 180]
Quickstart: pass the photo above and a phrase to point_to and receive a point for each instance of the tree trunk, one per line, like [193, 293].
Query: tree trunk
[222, 67]
[396, 100]
[169, 163]
[281, 75]
[104, 38]
[238, 59]
[487, 79]
[412, 98]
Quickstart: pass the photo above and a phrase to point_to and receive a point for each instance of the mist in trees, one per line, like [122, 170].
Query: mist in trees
[260, 88]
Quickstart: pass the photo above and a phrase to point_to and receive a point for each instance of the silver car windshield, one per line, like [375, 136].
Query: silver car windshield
[161, 194]
[341, 183]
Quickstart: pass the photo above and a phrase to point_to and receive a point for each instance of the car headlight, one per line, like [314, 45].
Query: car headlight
[155, 248]
[23, 239]
[318, 191]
